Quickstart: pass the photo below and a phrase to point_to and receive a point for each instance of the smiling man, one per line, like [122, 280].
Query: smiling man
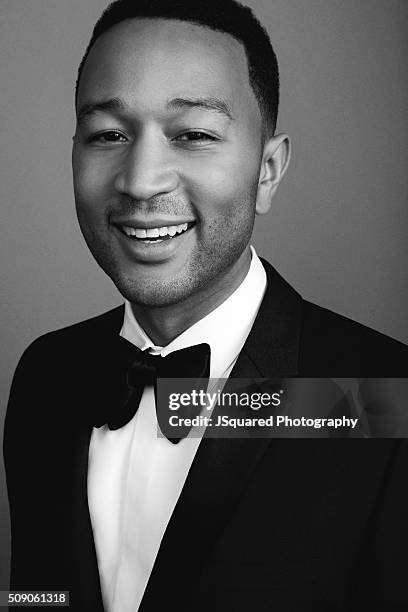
[170, 166]
[174, 154]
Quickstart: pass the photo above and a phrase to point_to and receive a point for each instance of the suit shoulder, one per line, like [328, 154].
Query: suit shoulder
[58, 356]
[341, 341]
[69, 336]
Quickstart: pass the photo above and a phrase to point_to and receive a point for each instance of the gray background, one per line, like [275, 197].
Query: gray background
[338, 227]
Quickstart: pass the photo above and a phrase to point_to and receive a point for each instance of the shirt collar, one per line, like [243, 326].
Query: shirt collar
[225, 328]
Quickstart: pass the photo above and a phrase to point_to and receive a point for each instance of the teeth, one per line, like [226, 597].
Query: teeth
[155, 232]
[129, 231]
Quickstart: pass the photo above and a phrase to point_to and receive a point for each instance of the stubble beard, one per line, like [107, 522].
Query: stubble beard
[205, 273]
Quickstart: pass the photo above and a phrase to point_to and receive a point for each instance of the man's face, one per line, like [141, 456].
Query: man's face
[169, 134]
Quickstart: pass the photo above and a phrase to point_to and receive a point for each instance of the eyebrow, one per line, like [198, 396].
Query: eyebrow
[208, 103]
[113, 104]
[116, 104]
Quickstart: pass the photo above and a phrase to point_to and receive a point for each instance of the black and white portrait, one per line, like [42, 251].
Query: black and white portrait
[208, 191]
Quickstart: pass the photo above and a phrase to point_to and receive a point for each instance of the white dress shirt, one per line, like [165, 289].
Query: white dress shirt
[135, 477]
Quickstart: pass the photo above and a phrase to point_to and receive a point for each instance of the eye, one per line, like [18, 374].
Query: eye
[195, 136]
[108, 137]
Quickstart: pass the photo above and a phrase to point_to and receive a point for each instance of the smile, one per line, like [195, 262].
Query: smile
[155, 234]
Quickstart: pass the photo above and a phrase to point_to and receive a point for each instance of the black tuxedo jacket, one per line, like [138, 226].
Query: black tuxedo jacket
[281, 524]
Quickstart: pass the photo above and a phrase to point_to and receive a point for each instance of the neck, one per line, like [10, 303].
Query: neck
[163, 324]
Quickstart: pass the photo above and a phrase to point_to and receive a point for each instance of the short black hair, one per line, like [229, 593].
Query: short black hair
[226, 16]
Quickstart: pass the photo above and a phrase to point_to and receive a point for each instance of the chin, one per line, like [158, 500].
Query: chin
[138, 288]
[153, 293]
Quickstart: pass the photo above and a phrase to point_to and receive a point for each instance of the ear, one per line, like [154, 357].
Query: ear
[275, 160]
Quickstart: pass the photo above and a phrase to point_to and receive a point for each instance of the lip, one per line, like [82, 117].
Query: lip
[152, 252]
[151, 223]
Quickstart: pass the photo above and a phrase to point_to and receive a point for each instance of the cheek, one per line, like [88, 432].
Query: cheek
[218, 187]
[92, 181]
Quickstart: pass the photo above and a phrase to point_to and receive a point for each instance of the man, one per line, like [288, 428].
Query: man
[175, 152]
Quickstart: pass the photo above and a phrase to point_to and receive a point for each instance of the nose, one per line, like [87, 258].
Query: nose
[146, 170]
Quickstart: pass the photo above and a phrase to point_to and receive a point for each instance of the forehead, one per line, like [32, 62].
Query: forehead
[146, 62]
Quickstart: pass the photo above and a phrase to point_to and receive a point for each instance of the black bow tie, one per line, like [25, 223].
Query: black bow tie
[140, 369]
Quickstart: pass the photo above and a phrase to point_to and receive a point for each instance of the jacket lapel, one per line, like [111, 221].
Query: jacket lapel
[86, 593]
[222, 467]
[102, 365]
[272, 347]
